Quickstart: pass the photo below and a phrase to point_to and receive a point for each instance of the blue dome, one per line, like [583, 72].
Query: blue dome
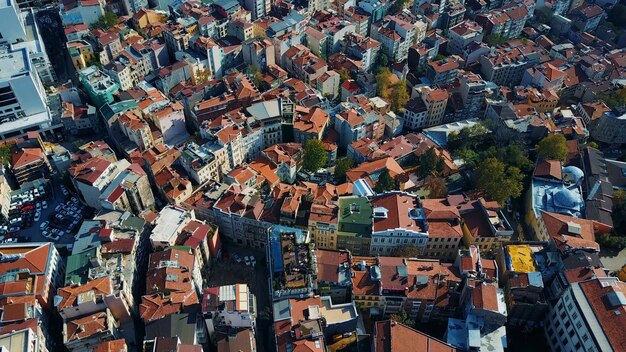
[565, 199]
[576, 173]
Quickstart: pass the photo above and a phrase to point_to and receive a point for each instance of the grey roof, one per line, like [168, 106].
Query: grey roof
[265, 110]
[281, 310]
[182, 325]
[579, 260]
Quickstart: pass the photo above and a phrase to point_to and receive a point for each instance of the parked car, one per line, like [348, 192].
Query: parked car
[43, 225]
[247, 260]
[44, 204]
[237, 258]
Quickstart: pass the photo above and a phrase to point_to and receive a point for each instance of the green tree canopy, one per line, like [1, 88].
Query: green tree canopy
[430, 163]
[341, 167]
[406, 251]
[385, 182]
[617, 16]
[402, 318]
[436, 187]
[383, 82]
[498, 180]
[619, 211]
[553, 147]
[476, 138]
[344, 75]
[108, 20]
[494, 39]
[382, 60]
[399, 96]
[5, 153]
[314, 155]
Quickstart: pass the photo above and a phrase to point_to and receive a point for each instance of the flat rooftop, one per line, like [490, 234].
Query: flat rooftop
[337, 313]
[519, 258]
[167, 224]
[13, 62]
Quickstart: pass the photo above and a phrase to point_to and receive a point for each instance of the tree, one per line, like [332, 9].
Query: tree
[382, 60]
[344, 75]
[341, 167]
[593, 145]
[108, 20]
[436, 187]
[494, 39]
[430, 163]
[498, 180]
[203, 75]
[402, 318]
[383, 82]
[544, 15]
[614, 99]
[619, 211]
[399, 96]
[617, 16]
[385, 182]
[553, 147]
[314, 155]
[406, 251]
[5, 153]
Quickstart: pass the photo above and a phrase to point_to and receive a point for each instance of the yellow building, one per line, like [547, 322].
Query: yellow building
[81, 53]
[544, 101]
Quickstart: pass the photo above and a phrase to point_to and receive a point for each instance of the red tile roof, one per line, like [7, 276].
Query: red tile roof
[25, 157]
[549, 169]
[87, 326]
[111, 346]
[328, 263]
[89, 171]
[70, 294]
[484, 296]
[399, 207]
[391, 336]
[612, 318]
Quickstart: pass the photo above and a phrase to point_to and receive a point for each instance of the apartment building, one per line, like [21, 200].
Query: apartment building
[29, 164]
[395, 36]
[585, 316]
[91, 178]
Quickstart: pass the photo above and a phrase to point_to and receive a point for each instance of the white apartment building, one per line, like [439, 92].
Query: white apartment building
[395, 35]
[25, 70]
[399, 219]
[168, 226]
[586, 317]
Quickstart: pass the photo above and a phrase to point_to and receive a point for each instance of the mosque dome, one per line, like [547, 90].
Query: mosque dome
[574, 173]
[565, 198]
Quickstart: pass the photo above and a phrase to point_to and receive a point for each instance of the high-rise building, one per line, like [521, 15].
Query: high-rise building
[25, 69]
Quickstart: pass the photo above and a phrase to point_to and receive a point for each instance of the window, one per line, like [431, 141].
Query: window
[579, 325]
[585, 338]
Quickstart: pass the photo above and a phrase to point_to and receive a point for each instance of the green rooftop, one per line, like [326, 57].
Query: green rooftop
[78, 265]
[109, 110]
[134, 222]
[355, 216]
